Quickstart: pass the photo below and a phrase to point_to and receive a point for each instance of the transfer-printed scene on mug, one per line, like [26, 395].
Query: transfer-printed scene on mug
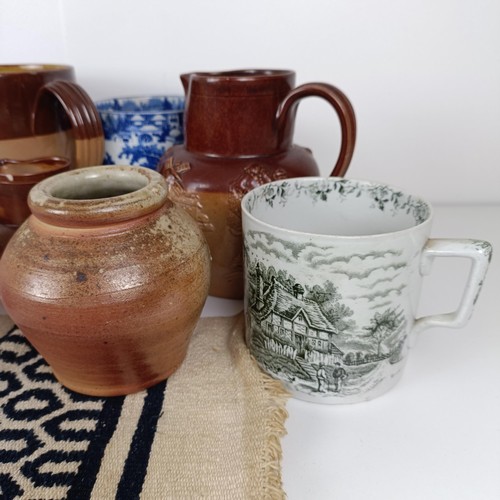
[308, 334]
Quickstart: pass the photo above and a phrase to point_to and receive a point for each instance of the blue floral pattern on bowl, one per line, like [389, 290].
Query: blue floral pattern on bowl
[138, 130]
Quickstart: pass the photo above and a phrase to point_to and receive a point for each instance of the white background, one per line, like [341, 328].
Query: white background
[422, 75]
[424, 79]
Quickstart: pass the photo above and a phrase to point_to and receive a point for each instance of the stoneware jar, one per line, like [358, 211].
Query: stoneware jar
[107, 278]
[238, 135]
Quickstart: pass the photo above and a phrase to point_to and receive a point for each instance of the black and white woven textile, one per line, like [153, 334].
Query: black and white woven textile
[52, 440]
[212, 431]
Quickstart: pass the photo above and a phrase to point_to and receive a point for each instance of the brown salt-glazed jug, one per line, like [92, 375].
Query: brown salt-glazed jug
[107, 278]
[239, 135]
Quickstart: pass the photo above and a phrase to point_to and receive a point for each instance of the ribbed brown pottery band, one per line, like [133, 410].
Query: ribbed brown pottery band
[43, 112]
[19, 87]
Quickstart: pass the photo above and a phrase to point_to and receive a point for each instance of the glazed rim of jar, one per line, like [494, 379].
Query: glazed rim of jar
[97, 196]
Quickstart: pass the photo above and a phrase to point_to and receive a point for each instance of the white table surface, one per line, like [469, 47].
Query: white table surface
[436, 435]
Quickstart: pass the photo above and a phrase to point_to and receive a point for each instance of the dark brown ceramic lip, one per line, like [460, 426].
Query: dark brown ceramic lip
[243, 75]
[10, 69]
[240, 82]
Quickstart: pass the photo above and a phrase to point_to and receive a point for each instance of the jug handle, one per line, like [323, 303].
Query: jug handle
[342, 106]
[86, 125]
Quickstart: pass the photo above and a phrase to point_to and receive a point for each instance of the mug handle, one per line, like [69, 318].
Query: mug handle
[344, 110]
[479, 252]
[86, 125]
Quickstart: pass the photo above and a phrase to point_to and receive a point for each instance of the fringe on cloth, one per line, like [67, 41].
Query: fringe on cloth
[213, 430]
[269, 472]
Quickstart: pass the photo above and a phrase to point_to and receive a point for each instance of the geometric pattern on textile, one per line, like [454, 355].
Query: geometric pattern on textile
[214, 433]
[52, 440]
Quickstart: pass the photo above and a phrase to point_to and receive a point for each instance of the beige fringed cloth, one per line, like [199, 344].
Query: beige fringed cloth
[213, 430]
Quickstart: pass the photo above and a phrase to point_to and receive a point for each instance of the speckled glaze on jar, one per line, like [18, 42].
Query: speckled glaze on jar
[107, 278]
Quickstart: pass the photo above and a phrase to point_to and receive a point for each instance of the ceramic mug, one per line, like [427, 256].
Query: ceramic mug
[333, 270]
[138, 130]
[43, 112]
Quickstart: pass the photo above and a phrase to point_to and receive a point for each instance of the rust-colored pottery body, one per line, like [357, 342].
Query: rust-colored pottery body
[239, 135]
[107, 278]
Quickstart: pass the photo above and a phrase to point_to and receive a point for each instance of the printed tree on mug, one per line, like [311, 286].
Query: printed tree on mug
[382, 325]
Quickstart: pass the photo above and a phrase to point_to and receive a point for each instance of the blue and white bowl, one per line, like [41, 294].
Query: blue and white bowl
[138, 130]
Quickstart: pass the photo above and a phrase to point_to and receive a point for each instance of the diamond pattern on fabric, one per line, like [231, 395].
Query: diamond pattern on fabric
[52, 440]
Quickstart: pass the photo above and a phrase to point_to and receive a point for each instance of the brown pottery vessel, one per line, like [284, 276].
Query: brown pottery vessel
[239, 135]
[107, 278]
[44, 112]
[17, 177]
